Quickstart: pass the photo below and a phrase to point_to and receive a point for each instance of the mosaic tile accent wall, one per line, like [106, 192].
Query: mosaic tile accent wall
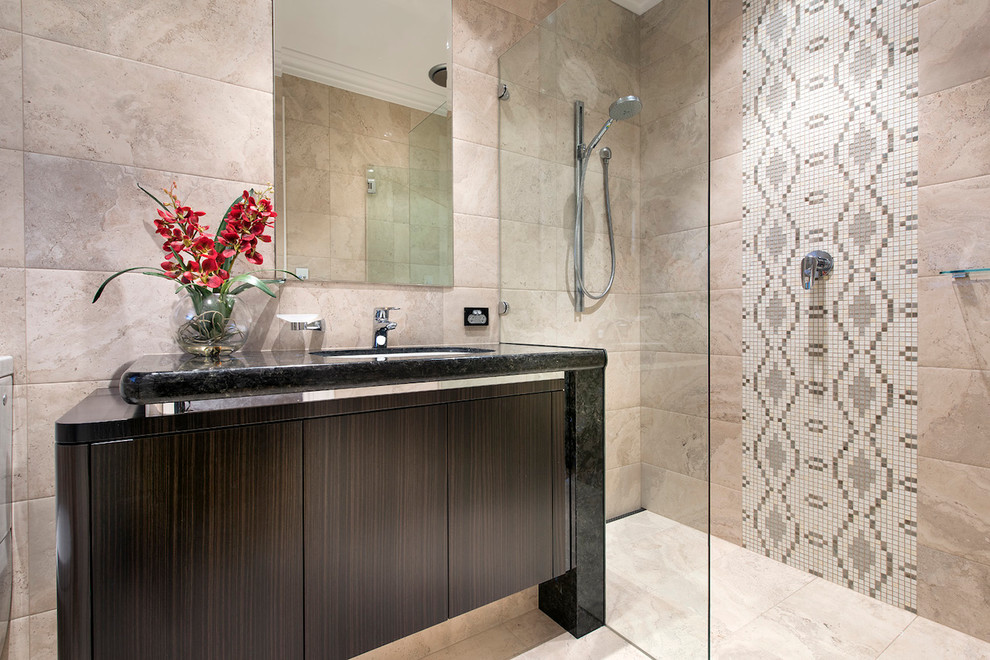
[830, 375]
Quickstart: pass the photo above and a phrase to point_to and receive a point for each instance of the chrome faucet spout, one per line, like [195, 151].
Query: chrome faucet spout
[382, 326]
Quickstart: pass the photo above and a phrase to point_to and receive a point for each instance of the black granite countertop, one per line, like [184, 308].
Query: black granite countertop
[176, 377]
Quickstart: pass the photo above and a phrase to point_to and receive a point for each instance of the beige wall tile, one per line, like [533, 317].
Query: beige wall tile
[131, 319]
[726, 122]
[676, 496]
[622, 380]
[723, 11]
[227, 133]
[19, 644]
[726, 514]
[668, 26]
[622, 490]
[10, 15]
[622, 430]
[675, 322]
[532, 317]
[184, 37]
[44, 636]
[20, 604]
[482, 33]
[612, 323]
[84, 215]
[952, 224]
[676, 202]
[476, 241]
[11, 114]
[476, 99]
[953, 48]
[12, 203]
[726, 192]
[675, 442]
[19, 451]
[454, 302]
[726, 55]
[954, 591]
[347, 239]
[305, 100]
[954, 508]
[675, 382]
[12, 302]
[953, 324]
[954, 414]
[726, 327]
[684, 260]
[677, 141]
[726, 261]
[475, 179]
[365, 115]
[726, 454]
[528, 255]
[726, 388]
[41, 554]
[531, 10]
[616, 28]
[678, 80]
[308, 189]
[954, 138]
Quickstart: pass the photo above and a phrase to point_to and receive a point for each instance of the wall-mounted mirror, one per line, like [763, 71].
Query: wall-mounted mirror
[363, 141]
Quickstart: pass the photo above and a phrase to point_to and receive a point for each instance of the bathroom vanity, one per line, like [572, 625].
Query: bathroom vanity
[291, 525]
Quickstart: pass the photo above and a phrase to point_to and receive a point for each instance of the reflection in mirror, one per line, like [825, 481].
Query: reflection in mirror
[363, 140]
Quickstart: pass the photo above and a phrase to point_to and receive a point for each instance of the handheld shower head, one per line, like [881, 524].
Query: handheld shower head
[626, 107]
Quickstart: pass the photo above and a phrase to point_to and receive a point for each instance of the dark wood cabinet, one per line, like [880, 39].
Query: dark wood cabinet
[343, 526]
[376, 528]
[196, 545]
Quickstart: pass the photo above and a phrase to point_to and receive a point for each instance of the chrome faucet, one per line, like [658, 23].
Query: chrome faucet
[382, 326]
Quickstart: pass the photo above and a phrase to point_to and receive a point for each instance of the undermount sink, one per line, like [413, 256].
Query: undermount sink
[402, 352]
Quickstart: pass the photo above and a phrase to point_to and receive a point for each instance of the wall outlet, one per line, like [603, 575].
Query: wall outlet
[475, 316]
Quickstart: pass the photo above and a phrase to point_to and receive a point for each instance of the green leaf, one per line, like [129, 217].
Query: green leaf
[143, 270]
[249, 281]
[145, 191]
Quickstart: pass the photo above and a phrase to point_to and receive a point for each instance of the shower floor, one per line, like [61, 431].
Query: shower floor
[657, 607]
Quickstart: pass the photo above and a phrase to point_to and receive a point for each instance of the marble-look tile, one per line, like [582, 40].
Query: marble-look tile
[951, 46]
[726, 264]
[622, 380]
[954, 142]
[308, 146]
[622, 430]
[348, 194]
[677, 201]
[475, 179]
[45, 404]
[227, 133]
[726, 122]
[725, 332]
[675, 496]
[726, 388]
[643, 525]
[482, 33]
[678, 80]
[819, 620]
[954, 591]
[622, 490]
[952, 222]
[19, 639]
[494, 644]
[726, 56]
[476, 107]
[954, 508]
[185, 38]
[676, 382]
[659, 621]
[744, 585]
[476, 241]
[41, 554]
[612, 323]
[19, 451]
[676, 322]
[454, 302]
[726, 189]
[366, 115]
[928, 639]
[13, 295]
[668, 26]
[12, 202]
[20, 603]
[724, 11]
[64, 195]
[602, 643]
[726, 454]
[593, 75]
[130, 319]
[10, 15]
[352, 152]
[531, 318]
[725, 513]
[953, 324]
[954, 408]
[684, 256]
[677, 141]
[44, 636]
[11, 113]
[528, 255]
[675, 442]
[308, 189]
[305, 100]
[604, 26]
[346, 238]
[534, 628]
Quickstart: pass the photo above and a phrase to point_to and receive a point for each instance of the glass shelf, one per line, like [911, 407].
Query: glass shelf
[963, 272]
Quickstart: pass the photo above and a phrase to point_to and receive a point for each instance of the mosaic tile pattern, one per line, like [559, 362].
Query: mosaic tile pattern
[830, 375]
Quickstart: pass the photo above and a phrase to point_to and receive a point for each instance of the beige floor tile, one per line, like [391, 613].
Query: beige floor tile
[601, 644]
[494, 644]
[933, 641]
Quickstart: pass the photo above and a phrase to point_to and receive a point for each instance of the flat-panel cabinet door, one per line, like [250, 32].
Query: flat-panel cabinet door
[501, 505]
[197, 545]
[376, 528]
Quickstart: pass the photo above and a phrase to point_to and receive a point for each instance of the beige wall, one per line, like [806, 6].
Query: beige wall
[954, 331]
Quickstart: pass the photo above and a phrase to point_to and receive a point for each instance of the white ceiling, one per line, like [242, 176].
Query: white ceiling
[382, 48]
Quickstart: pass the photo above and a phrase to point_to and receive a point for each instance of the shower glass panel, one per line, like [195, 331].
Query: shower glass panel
[654, 321]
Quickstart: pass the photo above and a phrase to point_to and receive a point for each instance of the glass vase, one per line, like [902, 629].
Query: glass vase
[210, 325]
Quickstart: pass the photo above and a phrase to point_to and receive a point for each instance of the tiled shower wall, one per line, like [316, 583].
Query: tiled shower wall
[830, 374]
